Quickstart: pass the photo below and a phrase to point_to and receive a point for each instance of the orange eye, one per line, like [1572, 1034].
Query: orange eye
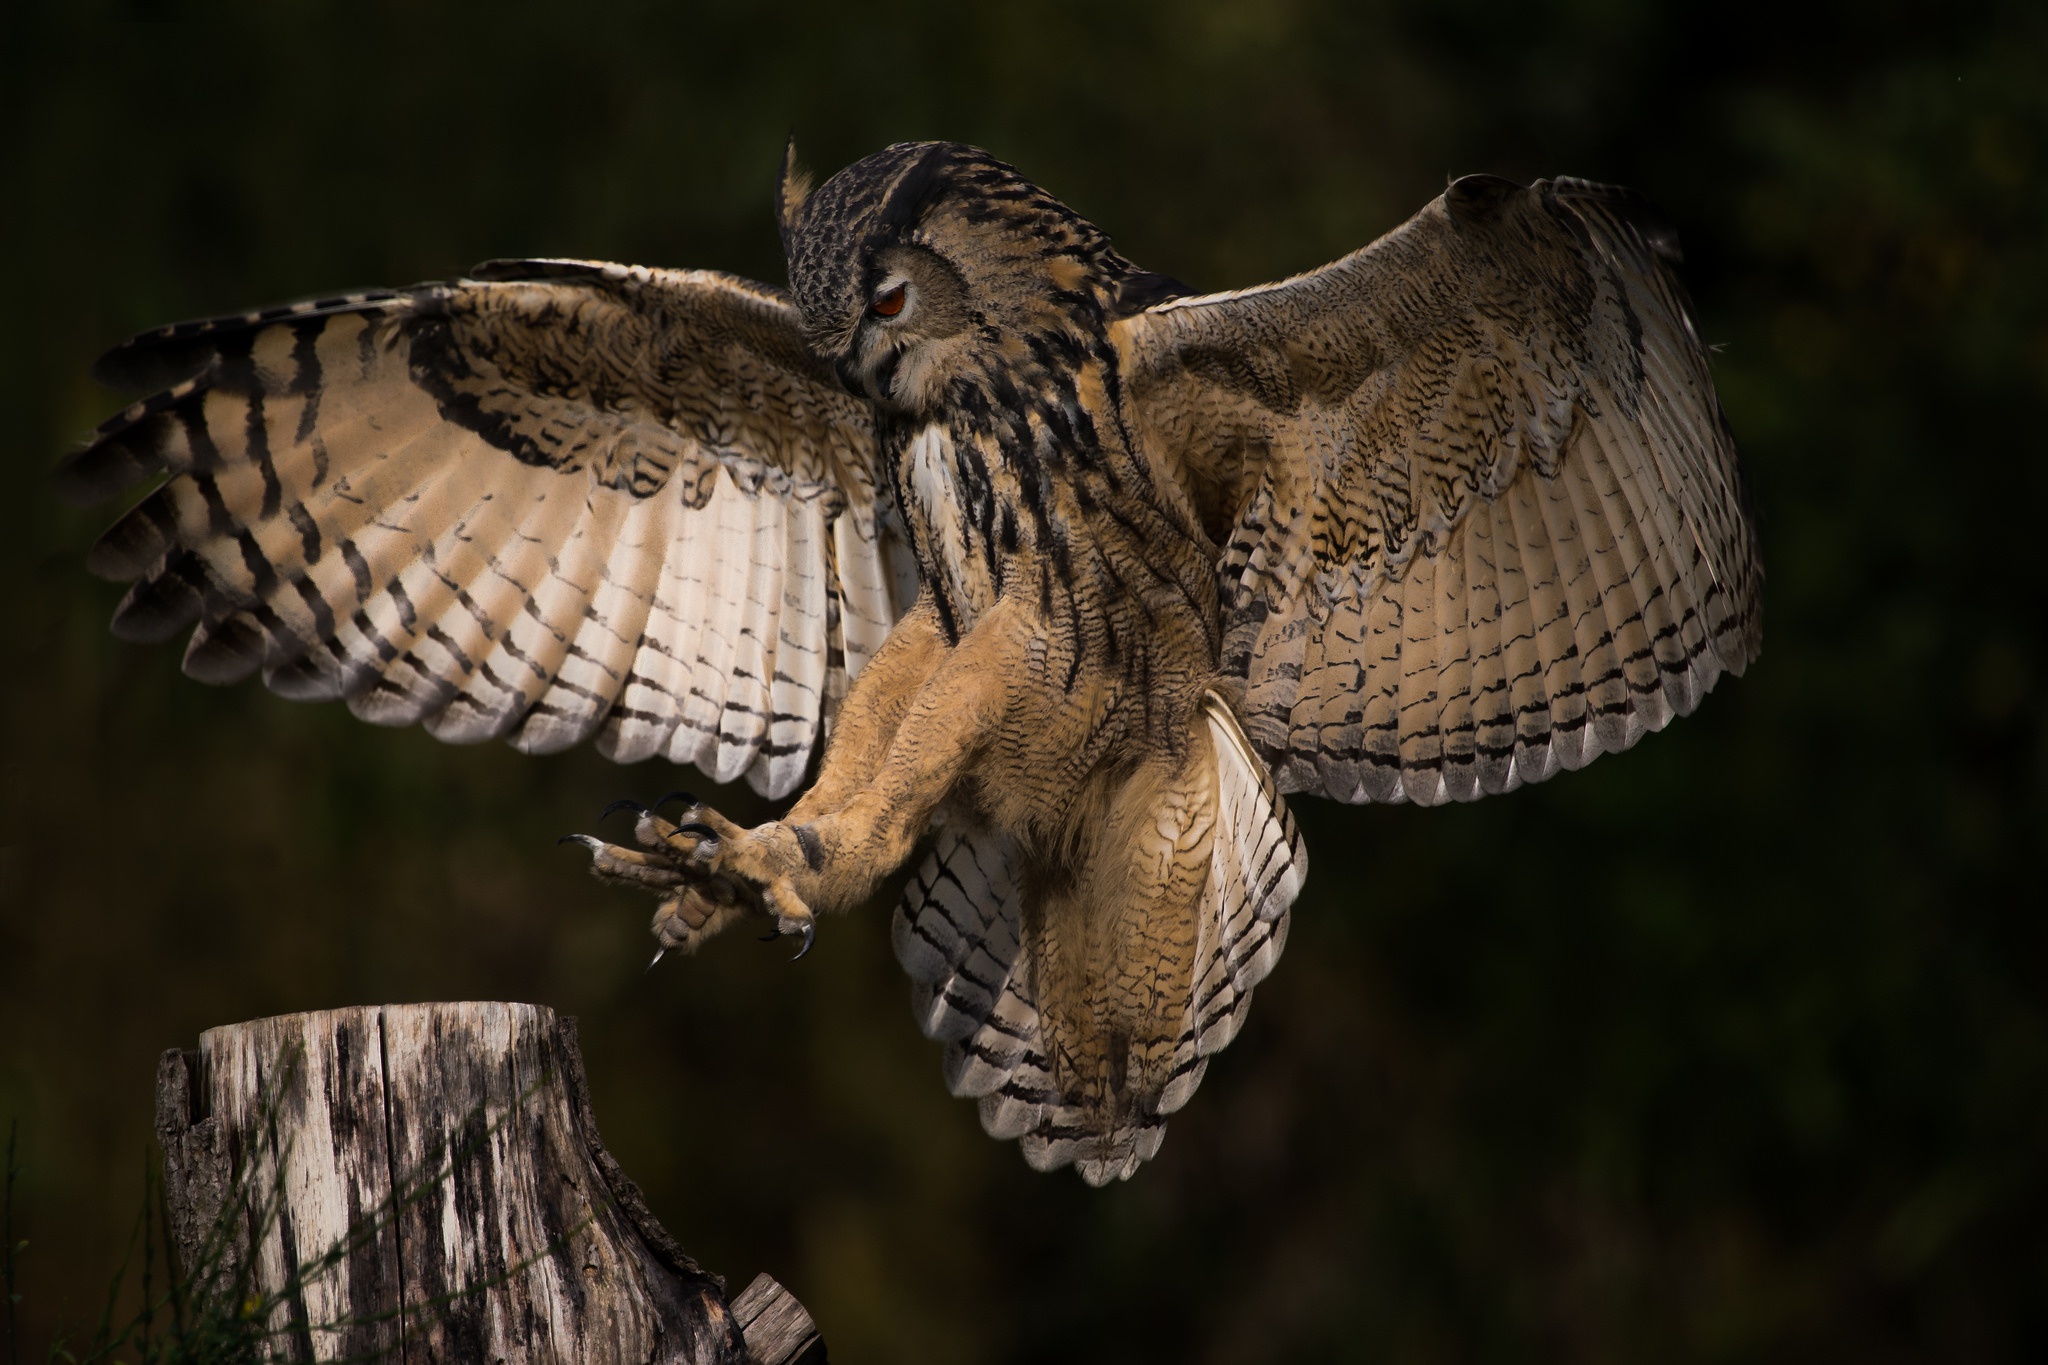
[889, 302]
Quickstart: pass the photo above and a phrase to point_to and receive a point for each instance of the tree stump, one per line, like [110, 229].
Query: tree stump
[425, 1183]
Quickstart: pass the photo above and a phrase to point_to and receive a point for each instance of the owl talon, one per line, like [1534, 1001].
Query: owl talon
[705, 872]
[703, 853]
[689, 799]
[810, 933]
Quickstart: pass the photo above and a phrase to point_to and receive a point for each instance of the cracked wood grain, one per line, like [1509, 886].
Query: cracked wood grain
[425, 1183]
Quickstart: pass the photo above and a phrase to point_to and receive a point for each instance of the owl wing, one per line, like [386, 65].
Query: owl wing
[556, 500]
[1477, 503]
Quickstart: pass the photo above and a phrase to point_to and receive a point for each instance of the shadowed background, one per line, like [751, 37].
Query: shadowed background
[1732, 1047]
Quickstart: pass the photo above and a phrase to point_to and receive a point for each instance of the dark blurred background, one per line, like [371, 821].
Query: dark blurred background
[1769, 1083]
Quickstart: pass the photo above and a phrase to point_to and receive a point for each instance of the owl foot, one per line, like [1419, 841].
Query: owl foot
[707, 872]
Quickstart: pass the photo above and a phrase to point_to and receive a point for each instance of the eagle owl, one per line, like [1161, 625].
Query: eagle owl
[1050, 563]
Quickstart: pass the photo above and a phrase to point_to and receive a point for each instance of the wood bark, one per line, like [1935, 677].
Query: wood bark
[425, 1183]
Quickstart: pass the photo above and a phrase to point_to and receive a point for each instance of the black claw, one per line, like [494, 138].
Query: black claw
[810, 936]
[583, 839]
[703, 832]
[623, 803]
[687, 798]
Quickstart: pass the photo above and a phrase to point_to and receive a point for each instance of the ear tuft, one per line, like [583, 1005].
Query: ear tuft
[792, 188]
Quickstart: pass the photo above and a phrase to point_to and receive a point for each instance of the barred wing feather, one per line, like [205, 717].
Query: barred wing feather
[557, 500]
[1477, 507]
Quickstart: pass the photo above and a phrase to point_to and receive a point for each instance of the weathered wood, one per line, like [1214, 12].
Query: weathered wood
[778, 1329]
[425, 1183]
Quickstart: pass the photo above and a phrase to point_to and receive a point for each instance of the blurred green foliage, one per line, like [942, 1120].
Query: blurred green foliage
[1769, 1082]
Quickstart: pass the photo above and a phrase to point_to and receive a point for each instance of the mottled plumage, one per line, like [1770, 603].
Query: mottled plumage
[1069, 572]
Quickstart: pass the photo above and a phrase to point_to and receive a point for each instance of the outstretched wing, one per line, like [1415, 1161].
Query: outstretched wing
[559, 499]
[1477, 504]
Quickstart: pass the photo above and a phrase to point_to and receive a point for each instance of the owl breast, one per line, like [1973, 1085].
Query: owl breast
[949, 505]
[1121, 590]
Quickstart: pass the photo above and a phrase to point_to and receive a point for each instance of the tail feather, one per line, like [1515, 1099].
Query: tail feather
[959, 934]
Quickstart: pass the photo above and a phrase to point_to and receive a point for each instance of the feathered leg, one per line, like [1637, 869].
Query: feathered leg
[831, 859]
[911, 724]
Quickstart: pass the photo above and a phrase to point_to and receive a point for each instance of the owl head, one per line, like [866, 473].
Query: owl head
[928, 262]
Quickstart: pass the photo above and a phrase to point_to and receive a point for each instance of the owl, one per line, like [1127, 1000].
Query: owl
[1011, 550]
